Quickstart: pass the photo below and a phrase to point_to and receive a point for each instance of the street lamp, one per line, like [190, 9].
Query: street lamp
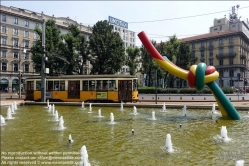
[20, 93]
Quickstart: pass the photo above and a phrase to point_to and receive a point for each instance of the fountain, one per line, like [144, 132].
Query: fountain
[70, 140]
[153, 116]
[169, 147]
[240, 163]
[184, 110]
[53, 109]
[83, 105]
[134, 110]
[56, 117]
[90, 108]
[224, 133]
[164, 107]
[49, 108]
[99, 112]
[12, 108]
[61, 122]
[132, 132]
[121, 106]
[84, 157]
[112, 118]
[15, 105]
[48, 103]
[9, 114]
[2, 123]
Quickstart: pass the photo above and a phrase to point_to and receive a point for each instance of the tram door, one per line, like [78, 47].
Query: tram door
[29, 90]
[124, 90]
[73, 89]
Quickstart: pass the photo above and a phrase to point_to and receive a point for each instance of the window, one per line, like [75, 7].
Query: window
[231, 73]
[193, 45]
[16, 42]
[202, 44]
[4, 66]
[220, 28]
[231, 50]
[15, 55]
[123, 37]
[215, 29]
[36, 24]
[4, 40]
[26, 23]
[202, 53]
[15, 31]
[221, 73]
[26, 56]
[26, 33]
[15, 20]
[230, 39]
[26, 43]
[221, 41]
[211, 62]
[85, 85]
[220, 50]
[211, 43]
[4, 30]
[36, 36]
[221, 62]
[231, 61]
[218, 21]
[4, 18]
[211, 52]
[15, 67]
[26, 68]
[4, 53]
[231, 82]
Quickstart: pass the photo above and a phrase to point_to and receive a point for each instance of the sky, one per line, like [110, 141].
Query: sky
[142, 15]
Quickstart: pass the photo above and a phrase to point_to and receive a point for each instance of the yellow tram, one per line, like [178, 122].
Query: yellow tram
[78, 88]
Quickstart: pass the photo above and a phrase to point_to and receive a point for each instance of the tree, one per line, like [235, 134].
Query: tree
[52, 41]
[131, 59]
[148, 64]
[106, 49]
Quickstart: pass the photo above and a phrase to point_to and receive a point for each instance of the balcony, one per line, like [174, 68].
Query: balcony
[15, 46]
[243, 56]
[202, 48]
[202, 58]
[231, 66]
[211, 47]
[226, 55]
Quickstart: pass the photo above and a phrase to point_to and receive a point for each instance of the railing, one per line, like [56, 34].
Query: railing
[230, 66]
[226, 55]
[194, 58]
[243, 56]
[202, 48]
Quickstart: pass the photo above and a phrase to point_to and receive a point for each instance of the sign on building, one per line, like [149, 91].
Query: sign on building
[118, 22]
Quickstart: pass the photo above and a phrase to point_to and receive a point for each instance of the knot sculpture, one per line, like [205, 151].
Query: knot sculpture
[198, 76]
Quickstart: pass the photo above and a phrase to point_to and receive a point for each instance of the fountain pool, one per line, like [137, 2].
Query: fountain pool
[196, 143]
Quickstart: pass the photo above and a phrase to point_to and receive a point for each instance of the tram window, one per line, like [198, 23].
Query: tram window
[105, 85]
[134, 84]
[50, 85]
[99, 85]
[85, 85]
[62, 85]
[92, 85]
[38, 85]
[56, 85]
[112, 85]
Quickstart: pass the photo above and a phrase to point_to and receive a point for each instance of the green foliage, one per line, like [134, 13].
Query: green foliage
[106, 49]
[131, 59]
[228, 90]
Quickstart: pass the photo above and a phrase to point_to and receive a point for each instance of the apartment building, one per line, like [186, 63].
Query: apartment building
[227, 48]
[18, 36]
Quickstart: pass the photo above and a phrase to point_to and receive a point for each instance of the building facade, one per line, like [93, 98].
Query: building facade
[18, 36]
[227, 51]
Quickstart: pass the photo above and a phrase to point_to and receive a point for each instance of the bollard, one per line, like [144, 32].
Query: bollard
[181, 98]
[158, 98]
[142, 97]
[169, 97]
[192, 98]
[153, 98]
[242, 98]
[11, 96]
[204, 98]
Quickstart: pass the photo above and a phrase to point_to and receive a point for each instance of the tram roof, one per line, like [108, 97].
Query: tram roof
[83, 76]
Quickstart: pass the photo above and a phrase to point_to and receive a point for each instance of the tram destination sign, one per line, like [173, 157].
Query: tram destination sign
[118, 22]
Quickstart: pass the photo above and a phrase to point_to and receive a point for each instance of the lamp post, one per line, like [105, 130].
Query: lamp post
[43, 79]
[156, 86]
[20, 92]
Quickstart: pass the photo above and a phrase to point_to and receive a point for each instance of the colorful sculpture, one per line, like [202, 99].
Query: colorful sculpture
[198, 76]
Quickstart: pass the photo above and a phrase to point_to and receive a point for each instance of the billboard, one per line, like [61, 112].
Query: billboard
[117, 22]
